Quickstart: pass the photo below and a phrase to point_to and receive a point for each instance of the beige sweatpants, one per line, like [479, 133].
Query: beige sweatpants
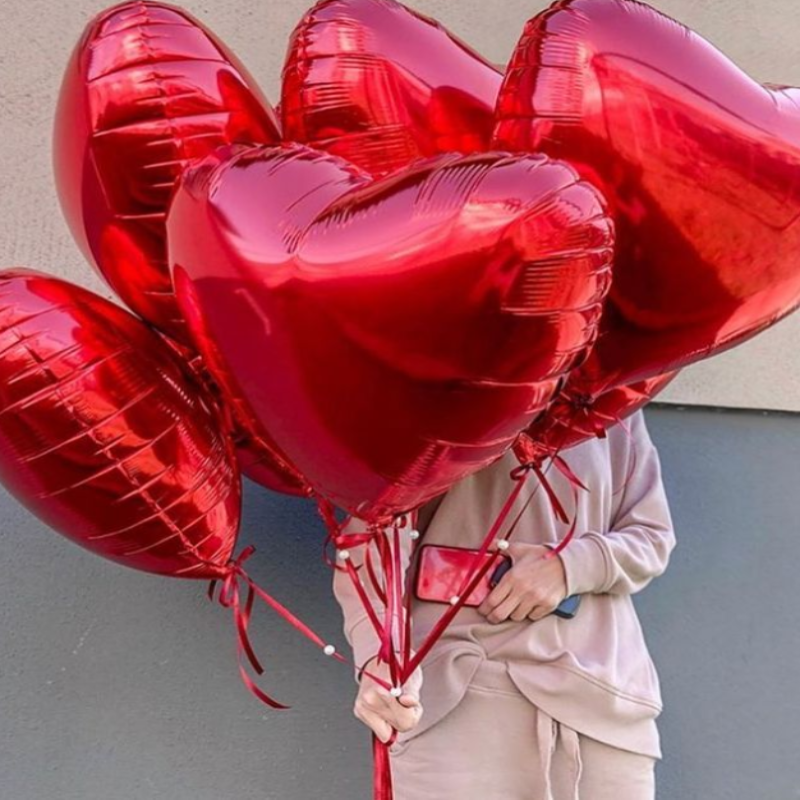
[497, 745]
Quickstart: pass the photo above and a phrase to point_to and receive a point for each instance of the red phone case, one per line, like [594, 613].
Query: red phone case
[441, 571]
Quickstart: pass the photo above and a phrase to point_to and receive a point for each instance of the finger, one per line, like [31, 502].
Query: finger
[504, 610]
[516, 550]
[414, 684]
[380, 727]
[402, 716]
[523, 610]
[405, 719]
[539, 612]
[496, 596]
[399, 716]
[411, 692]
[376, 698]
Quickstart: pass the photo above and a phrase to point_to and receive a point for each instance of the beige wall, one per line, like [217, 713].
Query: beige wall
[37, 35]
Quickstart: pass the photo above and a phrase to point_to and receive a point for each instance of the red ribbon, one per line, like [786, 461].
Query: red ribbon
[558, 509]
[373, 577]
[230, 596]
[382, 769]
[396, 601]
[632, 469]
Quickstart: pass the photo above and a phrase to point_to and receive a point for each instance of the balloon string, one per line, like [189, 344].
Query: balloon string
[407, 649]
[623, 423]
[371, 614]
[396, 603]
[447, 617]
[387, 566]
[391, 596]
[576, 483]
[564, 543]
[382, 770]
[512, 528]
[555, 503]
[554, 458]
[471, 580]
[557, 460]
[519, 476]
[230, 596]
[363, 597]
[376, 585]
[565, 469]
[399, 590]
[344, 541]
[397, 600]
[392, 578]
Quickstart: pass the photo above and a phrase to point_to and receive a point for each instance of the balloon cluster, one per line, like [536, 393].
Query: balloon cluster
[423, 263]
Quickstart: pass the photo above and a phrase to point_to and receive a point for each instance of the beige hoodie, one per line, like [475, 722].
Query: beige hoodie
[593, 672]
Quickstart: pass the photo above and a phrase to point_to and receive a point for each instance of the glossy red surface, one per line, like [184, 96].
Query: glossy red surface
[147, 89]
[105, 438]
[701, 167]
[570, 419]
[258, 455]
[392, 335]
[380, 85]
[441, 572]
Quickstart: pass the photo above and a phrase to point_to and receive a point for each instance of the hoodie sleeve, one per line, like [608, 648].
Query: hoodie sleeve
[637, 546]
[358, 629]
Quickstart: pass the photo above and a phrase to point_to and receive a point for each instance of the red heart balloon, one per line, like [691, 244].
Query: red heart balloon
[381, 86]
[393, 335]
[147, 89]
[569, 422]
[257, 454]
[701, 166]
[105, 438]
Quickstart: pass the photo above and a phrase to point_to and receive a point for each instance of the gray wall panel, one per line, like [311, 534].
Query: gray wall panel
[119, 685]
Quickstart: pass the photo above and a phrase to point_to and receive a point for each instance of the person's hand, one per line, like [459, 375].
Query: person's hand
[381, 712]
[535, 586]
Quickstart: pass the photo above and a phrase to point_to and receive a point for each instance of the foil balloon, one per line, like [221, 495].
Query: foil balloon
[381, 86]
[105, 438]
[260, 462]
[147, 90]
[701, 166]
[569, 420]
[257, 454]
[393, 335]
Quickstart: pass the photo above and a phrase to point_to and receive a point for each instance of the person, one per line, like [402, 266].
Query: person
[514, 702]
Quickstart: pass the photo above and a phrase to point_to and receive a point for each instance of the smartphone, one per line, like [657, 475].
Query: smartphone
[441, 571]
